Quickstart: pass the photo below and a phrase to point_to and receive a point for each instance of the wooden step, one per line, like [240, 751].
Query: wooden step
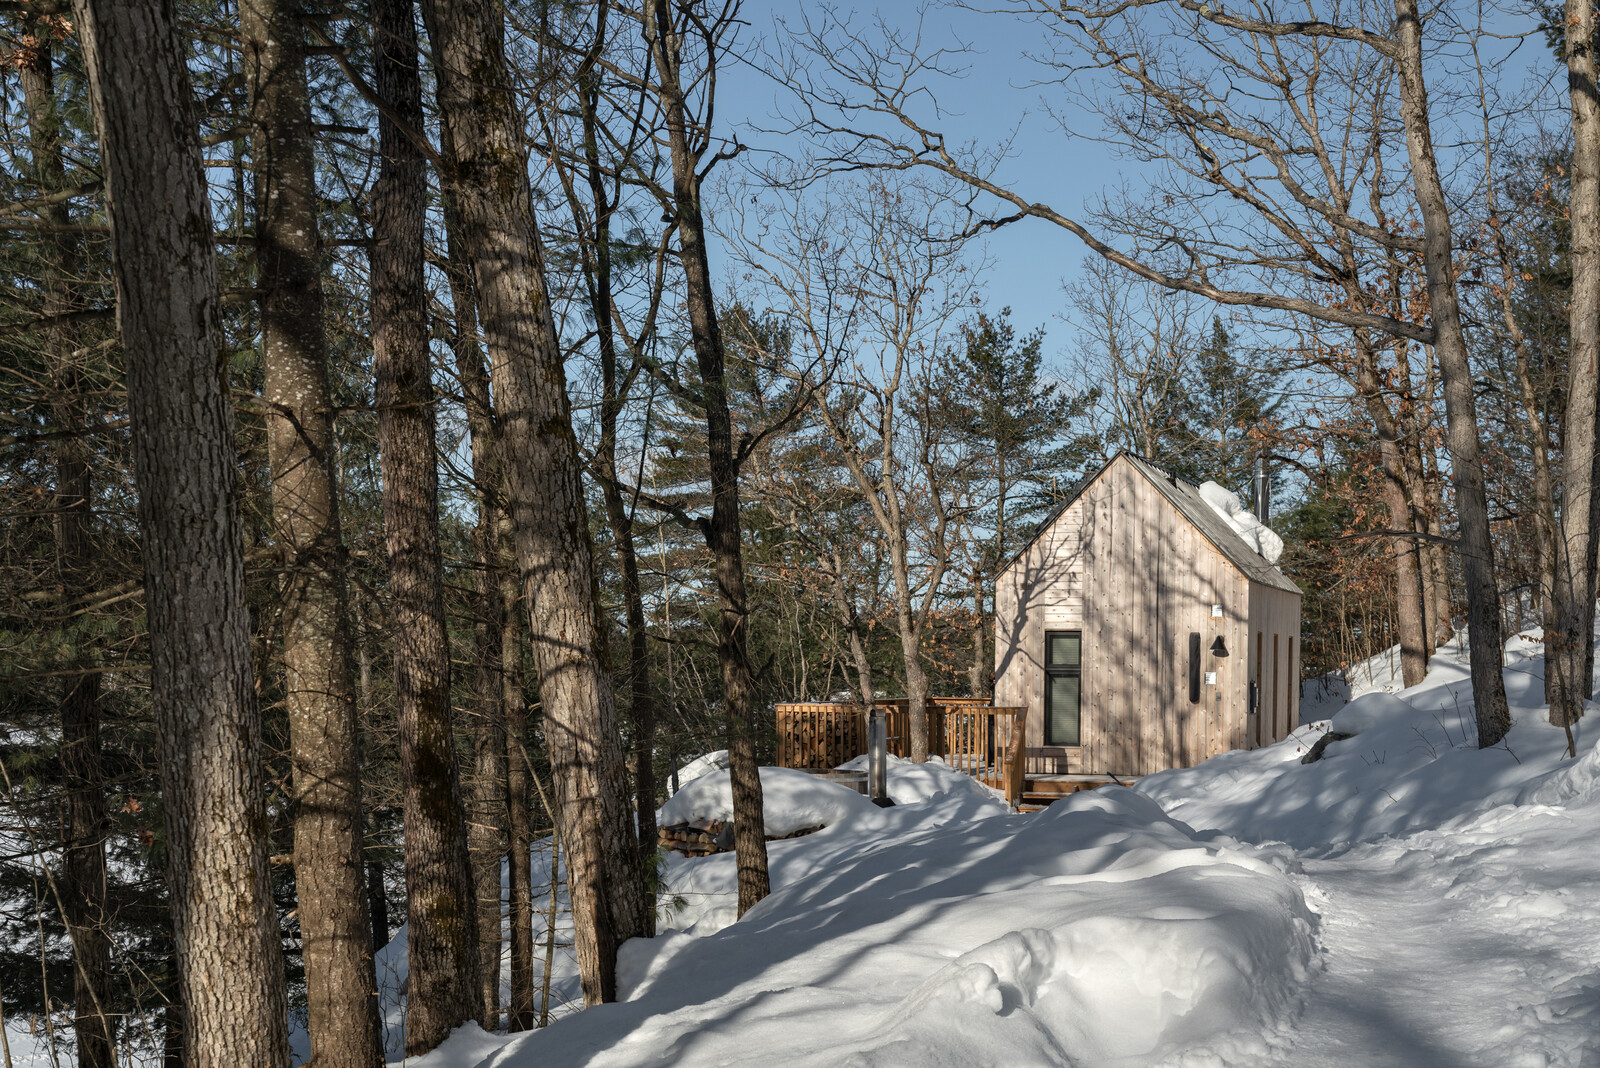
[1061, 787]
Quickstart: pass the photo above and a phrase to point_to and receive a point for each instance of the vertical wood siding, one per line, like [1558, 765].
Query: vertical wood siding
[1127, 569]
[1274, 634]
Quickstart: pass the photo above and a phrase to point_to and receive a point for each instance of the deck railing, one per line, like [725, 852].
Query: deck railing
[983, 741]
[989, 744]
[823, 735]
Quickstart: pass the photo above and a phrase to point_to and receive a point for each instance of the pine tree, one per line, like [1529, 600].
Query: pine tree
[225, 928]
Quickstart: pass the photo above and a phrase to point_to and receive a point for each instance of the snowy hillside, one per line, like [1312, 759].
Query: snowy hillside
[1414, 765]
[1098, 932]
[1407, 900]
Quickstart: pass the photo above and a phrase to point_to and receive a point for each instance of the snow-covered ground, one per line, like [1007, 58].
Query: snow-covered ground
[1457, 889]
[1099, 932]
[1407, 900]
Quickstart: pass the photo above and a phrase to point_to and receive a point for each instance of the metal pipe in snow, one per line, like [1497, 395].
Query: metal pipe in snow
[878, 756]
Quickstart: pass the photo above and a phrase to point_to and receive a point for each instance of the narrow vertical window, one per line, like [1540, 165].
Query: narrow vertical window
[1289, 692]
[1194, 667]
[1259, 690]
[1063, 678]
[1275, 687]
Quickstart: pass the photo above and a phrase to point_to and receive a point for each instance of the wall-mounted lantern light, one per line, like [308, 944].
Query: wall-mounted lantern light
[1219, 647]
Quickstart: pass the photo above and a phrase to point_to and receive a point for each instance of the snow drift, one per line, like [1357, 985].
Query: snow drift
[1098, 932]
[1412, 764]
[702, 893]
[791, 801]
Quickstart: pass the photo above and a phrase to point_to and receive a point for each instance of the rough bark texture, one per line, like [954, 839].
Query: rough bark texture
[722, 529]
[442, 946]
[487, 830]
[83, 868]
[539, 453]
[1569, 649]
[1461, 418]
[209, 730]
[486, 833]
[519, 816]
[1408, 577]
[319, 686]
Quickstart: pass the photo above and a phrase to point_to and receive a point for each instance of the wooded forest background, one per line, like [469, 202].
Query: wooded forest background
[569, 433]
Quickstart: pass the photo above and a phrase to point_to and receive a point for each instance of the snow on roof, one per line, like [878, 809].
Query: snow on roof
[1255, 533]
[1186, 497]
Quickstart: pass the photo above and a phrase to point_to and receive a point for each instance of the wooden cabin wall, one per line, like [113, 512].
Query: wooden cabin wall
[1127, 569]
[1042, 591]
[1274, 618]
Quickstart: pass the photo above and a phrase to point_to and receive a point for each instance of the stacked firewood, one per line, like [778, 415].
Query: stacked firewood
[698, 839]
[701, 838]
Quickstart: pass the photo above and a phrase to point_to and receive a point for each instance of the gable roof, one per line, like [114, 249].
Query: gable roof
[1185, 497]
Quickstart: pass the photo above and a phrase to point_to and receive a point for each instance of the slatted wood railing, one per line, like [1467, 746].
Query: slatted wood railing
[819, 734]
[988, 743]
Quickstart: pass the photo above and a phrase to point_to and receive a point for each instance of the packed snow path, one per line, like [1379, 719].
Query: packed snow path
[1470, 948]
[1456, 889]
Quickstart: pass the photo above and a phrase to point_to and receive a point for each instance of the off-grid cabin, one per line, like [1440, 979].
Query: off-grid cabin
[1142, 632]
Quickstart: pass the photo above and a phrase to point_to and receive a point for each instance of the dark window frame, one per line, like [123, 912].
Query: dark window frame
[1051, 672]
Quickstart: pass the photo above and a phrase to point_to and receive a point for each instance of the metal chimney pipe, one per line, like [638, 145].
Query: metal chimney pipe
[878, 757]
[1263, 495]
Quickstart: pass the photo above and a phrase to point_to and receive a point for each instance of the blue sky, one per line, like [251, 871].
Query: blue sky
[1030, 258]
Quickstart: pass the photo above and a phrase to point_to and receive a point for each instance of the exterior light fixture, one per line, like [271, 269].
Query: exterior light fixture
[1219, 647]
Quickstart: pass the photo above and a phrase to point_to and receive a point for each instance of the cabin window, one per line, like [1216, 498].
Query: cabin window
[1063, 678]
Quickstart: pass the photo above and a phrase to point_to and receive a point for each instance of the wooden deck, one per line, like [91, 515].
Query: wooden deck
[984, 741]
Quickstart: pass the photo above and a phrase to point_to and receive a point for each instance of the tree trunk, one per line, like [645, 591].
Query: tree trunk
[1409, 608]
[377, 892]
[83, 868]
[486, 836]
[539, 453]
[1461, 418]
[377, 905]
[225, 928]
[1570, 648]
[319, 686]
[721, 531]
[442, 947]
[487, 832]
[910, 631]
[519, 825]
[641, 691]
[916, 692]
